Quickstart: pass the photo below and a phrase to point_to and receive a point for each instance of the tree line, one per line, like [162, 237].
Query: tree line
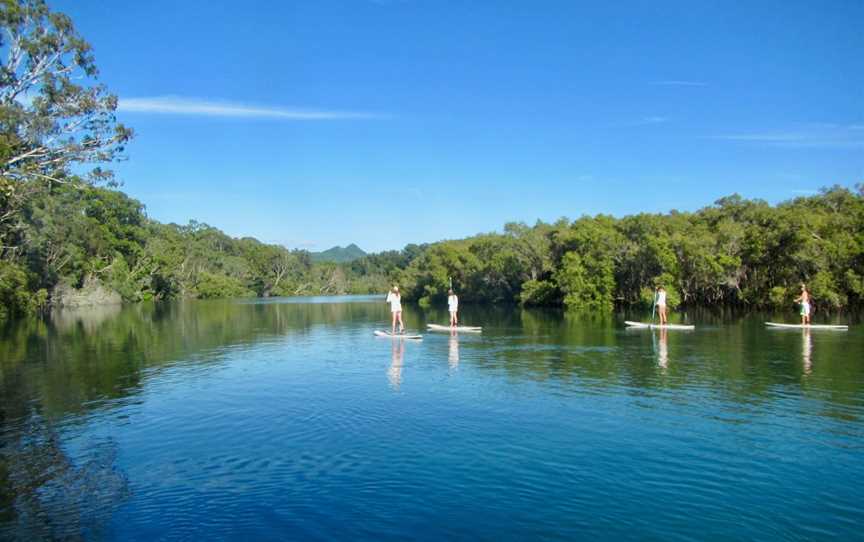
[73, 236]
[736, 252]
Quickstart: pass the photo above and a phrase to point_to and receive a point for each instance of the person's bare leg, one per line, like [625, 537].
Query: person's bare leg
[401, 325]
[393, 327]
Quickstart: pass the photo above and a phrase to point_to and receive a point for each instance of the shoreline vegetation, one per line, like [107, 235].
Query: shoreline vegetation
[84, 245]
[69, 238]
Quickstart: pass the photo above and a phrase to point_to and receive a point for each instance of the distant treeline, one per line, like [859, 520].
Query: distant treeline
[736, 252]
[72, 236]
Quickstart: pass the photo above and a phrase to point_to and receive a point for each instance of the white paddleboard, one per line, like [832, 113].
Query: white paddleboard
[657, 326]
[379, 333]
[464, 329]
[810, 326]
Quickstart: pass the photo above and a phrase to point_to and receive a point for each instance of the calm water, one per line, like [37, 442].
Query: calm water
[287, 419]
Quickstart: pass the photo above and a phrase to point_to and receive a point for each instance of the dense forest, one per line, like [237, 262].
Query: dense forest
[736, 252]
[67, 236]
[70, 237]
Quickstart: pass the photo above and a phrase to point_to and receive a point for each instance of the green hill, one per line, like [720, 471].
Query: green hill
[339, 254]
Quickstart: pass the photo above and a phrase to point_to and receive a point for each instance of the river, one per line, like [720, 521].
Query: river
[287, 419]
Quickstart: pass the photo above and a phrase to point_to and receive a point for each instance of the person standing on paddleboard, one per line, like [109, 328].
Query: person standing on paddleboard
[453, 307]
[804, 300]
[395, 300]
[661, 304]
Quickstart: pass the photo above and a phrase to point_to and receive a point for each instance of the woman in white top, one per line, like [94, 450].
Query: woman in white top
[453, 307]
[395, 301]
[661, 304]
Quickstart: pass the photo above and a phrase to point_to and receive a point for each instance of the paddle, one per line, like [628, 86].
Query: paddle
[653, 305]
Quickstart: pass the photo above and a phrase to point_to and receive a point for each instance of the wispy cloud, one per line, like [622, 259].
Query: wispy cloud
[834, 136]
[776, 137]
[679, 83]
[644, 121]
[171, 105]
[654, 119]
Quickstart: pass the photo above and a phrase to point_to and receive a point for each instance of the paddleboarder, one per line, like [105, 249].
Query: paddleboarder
[804, 300]
[453, 307]
[395, 300]
[661, 304]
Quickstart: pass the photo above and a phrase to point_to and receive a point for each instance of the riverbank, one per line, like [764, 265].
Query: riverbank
[736, 253]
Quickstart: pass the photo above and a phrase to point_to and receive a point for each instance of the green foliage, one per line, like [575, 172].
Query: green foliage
[586, 283]
[70, 234]
[211, 286]
[737, 252]
[16, 296]
[53, 114]
[780, 296]
[586, 273]
[539, 292]
[823, 288]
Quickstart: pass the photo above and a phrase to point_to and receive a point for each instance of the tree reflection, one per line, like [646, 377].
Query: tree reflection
[45, 495]
[79, 362]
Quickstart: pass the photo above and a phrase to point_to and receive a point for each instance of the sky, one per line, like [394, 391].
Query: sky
[314, 123]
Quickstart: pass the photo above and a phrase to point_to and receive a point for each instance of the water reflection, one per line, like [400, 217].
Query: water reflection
[394, 373]
[89, 318]
[77, 360]
[663, 350]
[453, 351]
[47, 494]
[62, 377]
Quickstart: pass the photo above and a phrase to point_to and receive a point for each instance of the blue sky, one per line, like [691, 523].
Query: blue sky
[313, 123]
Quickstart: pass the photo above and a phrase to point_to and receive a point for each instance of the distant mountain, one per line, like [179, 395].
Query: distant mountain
[338, 254]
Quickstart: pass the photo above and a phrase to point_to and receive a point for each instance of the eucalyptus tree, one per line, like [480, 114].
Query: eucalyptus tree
[57, 122]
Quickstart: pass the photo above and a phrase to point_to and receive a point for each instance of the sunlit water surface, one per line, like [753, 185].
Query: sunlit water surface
[286, 419]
